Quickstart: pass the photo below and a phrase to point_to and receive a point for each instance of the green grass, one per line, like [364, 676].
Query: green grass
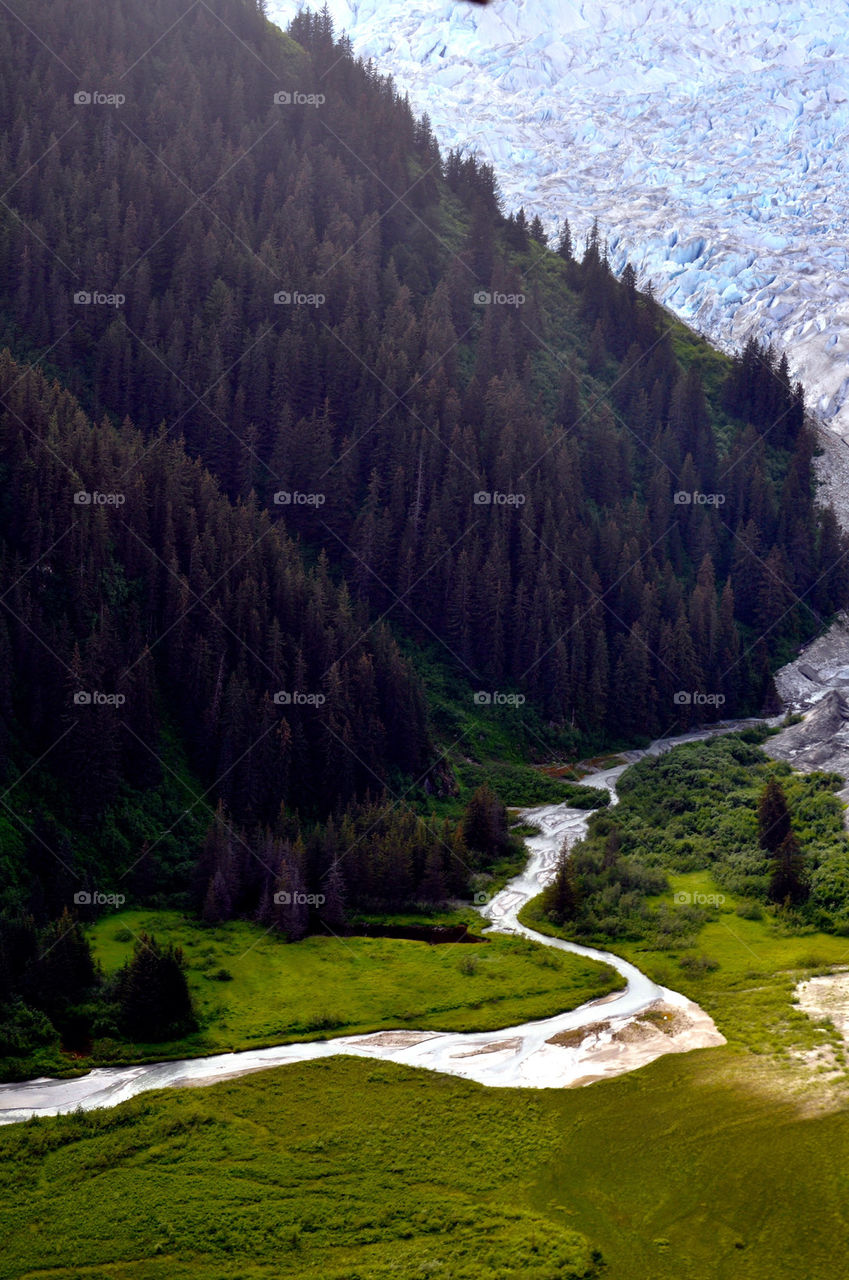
[279, 992]
[728, 1163]
[351, 1170]
[711, 933]
[741, 971]
[348, 1170]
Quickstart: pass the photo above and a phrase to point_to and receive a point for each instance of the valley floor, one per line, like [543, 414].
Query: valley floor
[700, 1166]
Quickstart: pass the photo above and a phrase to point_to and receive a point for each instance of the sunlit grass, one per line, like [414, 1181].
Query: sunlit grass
[278, 992]
[343, 1168]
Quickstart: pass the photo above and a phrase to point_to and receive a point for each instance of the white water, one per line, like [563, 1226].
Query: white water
[524, 1060]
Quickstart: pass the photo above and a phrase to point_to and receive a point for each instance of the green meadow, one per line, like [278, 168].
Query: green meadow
[252, 989]
[730, 1163]
[720, 1164]
[346, 1170]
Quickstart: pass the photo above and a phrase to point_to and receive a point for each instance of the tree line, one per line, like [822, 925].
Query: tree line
[390, 403]
[376, 857]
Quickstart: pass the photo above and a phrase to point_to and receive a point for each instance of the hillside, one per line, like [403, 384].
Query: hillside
[376, 414]
[334, 479]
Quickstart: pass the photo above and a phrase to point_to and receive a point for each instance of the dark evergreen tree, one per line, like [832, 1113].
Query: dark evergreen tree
[560, 899]
[152, 993]
[564, 243]
[63, 973]
[773, 817]
[787, 882]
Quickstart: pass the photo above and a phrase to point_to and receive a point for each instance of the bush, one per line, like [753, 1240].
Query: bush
[23, 1029]
[695, 808]
[698, 965]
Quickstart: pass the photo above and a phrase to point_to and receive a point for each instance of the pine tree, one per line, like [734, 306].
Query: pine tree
[64, 972]
[432, 887]
[787, 883]
[537, 231]
[152, 993]
[291, 909]
[485, 823]
[773, 817]
[597, 349]
[564, 243]
[560, 901]
[333, 909]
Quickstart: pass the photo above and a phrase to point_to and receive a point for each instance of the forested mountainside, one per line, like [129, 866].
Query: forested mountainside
[171, 611]
[312, 396]
[382, 391]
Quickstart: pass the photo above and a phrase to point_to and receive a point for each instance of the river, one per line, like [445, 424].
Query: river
[524, 1056]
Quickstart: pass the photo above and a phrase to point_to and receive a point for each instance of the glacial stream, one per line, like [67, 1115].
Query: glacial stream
[525, 1056]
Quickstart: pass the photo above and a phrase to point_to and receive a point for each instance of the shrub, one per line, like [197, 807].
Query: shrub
[698, 965]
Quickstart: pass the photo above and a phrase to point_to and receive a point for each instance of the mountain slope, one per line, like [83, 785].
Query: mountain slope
[164, 651]
[343, 324]
[312, 401]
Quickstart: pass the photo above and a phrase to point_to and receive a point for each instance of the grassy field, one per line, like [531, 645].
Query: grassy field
[278, 992]
[721, 1164]
[742, 971]
[345, 1170]
[729, 1163]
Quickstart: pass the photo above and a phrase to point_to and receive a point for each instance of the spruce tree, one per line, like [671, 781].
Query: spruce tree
[152, 994]
[64, 972]
[485, 823]
[773, 817]
[787, 884]
[564, 243]
[560, 902]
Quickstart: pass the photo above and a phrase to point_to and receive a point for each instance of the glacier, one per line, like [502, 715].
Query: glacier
[708, 139]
